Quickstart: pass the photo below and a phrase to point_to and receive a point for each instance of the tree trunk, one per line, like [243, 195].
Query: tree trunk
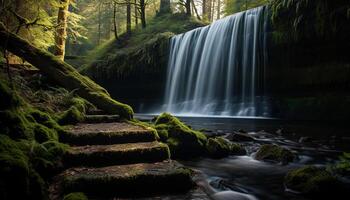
[115, 20]
[128, 17]
[63, 74]
[136, 13]
[143, 13]
[164, 6]
[195, 10]
[99, 24]
[61, 31]
[188, 7]
[212, 10]
[218, 10]
[204, 9]
[209, 2]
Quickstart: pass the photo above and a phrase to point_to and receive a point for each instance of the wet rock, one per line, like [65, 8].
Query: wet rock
[220, 147]
[242, 131]
[280, 131]
[305, 140]
[271, 152]
[314, 182]
[240, 137]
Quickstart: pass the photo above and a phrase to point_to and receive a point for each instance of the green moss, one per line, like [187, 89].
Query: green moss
[145, 125]
[8, 97]
[220, 147]
[313, 181]
[43, 134]
[138, 181]
[343, 166]
[183, 141]
[162, 130]
[271, 152]
[14, 124]
[72, 116]
[118, 155]
[18, 179]
[75, 196]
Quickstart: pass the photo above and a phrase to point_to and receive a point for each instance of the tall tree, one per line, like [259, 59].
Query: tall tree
[188, 7]
[195, 10]
[136, 13]
[115, 20]
[143, 13]
[218, 10]
[61, 31]
[204, 9]
[128, 17]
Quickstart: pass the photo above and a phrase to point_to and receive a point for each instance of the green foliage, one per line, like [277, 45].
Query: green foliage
[220, 147]
[75, 196]
[312, 181]
[71, 116]
[343, 166]
[145, 51]
[182, 140]
[7, 97]
[274, 153]
[234, 6]
[29, 147]
[18, 178]
[309, 19]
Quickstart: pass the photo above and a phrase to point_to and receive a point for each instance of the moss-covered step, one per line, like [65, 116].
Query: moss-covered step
[105, 155]
[135, 180]
[101, 118]
[107, 133]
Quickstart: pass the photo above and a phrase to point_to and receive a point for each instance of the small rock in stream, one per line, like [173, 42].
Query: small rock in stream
[240, 137]
[305, 140]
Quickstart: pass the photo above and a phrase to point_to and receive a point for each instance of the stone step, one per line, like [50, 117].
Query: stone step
[91, 119]
[107, 133]
[142, 179]
[105, 155]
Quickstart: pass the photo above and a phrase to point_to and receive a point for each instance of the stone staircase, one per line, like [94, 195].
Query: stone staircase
[111, 159]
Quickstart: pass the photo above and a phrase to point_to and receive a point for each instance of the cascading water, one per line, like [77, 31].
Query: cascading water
[219, 69]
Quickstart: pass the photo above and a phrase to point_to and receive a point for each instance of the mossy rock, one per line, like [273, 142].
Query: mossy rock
[107, 133]
[220, 147]
[8, 97]
[182, 140]
[117, 154]
[75, 196]
[342, 168]
[271, 152]
[15, 124]
[18, 179]
[43, 134]
[162, 130]
[314, 182]
[136, 180]
[71, 116]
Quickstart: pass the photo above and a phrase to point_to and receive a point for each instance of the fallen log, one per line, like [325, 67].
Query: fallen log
[62, 73]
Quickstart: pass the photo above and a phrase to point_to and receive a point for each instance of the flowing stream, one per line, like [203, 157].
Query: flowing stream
[244, 177]
[219, 69]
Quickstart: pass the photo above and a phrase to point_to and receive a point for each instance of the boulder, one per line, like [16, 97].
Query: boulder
[314, 182]
[272, 152]
[240, 137]
[220, 147]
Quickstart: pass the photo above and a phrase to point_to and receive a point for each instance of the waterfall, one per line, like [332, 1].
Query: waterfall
[219, 69]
